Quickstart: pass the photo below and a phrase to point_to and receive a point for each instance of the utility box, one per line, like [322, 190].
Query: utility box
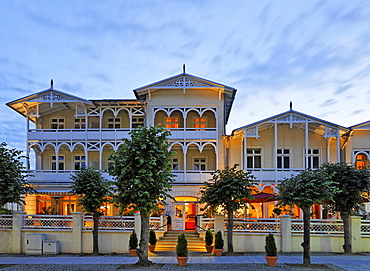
[34, 243]
[51, 247]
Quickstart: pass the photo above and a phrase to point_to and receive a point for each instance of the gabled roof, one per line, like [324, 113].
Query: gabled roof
[187, 81]
[363, 125]
[49, 98]
[294, 118]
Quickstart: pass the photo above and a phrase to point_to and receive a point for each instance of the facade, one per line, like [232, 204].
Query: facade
[66, 133]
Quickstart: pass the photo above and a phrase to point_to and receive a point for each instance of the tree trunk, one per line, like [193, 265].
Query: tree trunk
[347, 235]
[230, 227]
[142, 252]
[95, 233]
[306, 235]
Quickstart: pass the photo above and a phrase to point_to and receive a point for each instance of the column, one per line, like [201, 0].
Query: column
[355, 232]
[286, 234]
[306, 144]
[17, 232]
[78, 224]
[137, 226]
[219, 224]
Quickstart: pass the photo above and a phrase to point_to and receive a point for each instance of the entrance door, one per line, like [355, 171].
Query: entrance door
[184, 216]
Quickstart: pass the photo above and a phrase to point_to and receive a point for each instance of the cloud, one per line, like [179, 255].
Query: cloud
[343, 88]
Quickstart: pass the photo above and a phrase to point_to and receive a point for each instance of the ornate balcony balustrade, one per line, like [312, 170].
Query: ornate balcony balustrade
[273, 175]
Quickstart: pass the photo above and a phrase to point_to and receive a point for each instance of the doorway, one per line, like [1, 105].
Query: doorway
[184, 214]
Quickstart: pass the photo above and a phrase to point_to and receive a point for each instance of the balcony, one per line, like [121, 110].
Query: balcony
[77, 135]
[273, 175]
[63, 176]
[192, 133]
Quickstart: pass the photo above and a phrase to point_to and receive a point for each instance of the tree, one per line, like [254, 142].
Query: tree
[352, 183]
[13, 177]
[93, 190]
[229, 189]
[304, 190]
[142, 177]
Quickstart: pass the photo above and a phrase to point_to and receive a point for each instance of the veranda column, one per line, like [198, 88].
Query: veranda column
[355, 232]
[338, 146]
[17, 232]
[306, 145]
[286, 233]
[77, 232]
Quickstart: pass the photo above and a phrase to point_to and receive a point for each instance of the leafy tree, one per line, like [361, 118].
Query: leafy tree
[142, 171]
[352, 183]
[304, 190]
[230, 190]
[13, 177]
[93, 190]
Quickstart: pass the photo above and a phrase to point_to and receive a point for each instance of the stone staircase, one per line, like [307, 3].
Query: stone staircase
[169, 241]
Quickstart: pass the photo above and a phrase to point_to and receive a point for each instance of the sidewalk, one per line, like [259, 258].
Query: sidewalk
[344, 262]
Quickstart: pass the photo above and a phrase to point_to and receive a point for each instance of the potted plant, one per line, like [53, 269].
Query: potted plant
[133, 242]
[271, 251]
[182, 250]
[219, 244]
[209, 241]
[152, 240]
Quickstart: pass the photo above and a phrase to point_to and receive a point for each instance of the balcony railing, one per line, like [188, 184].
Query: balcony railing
[63, 176]
[112, 134]
[273, 174]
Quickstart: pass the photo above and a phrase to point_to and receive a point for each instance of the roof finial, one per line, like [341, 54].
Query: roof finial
[291, 105]
[183, 68]
[51, 83]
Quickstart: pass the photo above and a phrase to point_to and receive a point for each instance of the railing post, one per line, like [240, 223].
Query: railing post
[17, 231]
[162, 222]
[219, 224]
[78, 224]
[137, 226]
[286, 233]
[355, 232]
[199, 222]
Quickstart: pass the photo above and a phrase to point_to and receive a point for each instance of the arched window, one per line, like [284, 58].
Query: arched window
[360, 161]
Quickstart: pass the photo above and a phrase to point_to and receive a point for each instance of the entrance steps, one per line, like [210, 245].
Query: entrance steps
[169, 241]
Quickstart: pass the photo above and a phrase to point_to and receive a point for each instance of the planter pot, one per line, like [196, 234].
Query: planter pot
[271, 260]
[132, 252]
[181, 261]
[218, 251]
[151, 248]
[209, 249]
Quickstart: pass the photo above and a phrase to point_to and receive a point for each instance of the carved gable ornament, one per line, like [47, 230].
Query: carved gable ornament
[183, 82]
[52, 96]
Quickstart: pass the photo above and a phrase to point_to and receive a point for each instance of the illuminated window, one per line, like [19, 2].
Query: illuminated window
[114, 123]
[200, 164]
[137, 121]
[80, 162]
[80, 123]
[172, 123]
[60, 162]
[361, 161]
[283, 158]
[57, 123]
[254, 158]
[200, 123]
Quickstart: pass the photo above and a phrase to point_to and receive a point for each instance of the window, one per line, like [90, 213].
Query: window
[175, 163]
[283, 158]
[254, 158]
[172, 123]
[114, 123]
[80, 123]
[200, 123]
[60, 162]
[137, 121]
[80, 162]
[200, 164]
[57, 123]
[313, 158]
[360, 161]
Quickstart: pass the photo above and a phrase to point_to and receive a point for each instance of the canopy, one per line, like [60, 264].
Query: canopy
[262, 197]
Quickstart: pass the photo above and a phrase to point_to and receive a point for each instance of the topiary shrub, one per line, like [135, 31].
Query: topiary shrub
[133, 242]
[182, 246]
[219, 242]
[152, 238]
[270, 245]
[209, 237]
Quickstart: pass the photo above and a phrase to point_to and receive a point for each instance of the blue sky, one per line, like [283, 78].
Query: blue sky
[314, 53]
